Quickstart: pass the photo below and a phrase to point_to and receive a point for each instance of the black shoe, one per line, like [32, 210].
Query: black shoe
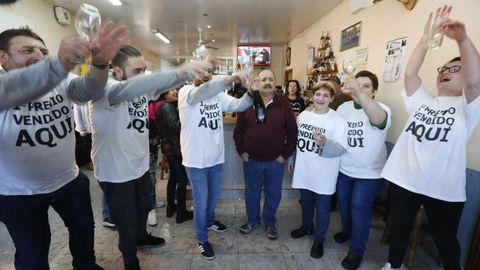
[187, 215]
[206, 250]
[108, 223]
[352, 261]
[95, 267]
[300, 232]
[341, 237]
[317, 250]
[171, 209]
[151, 241]
[132, 266]
[217, 226]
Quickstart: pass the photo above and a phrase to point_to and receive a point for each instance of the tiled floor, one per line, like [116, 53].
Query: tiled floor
[233, 250]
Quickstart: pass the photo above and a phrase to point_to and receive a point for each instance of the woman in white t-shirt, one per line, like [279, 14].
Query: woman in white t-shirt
[427, 164]
[321, 137]
[359, 178]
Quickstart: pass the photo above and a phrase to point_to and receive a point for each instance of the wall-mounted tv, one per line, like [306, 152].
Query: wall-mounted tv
[260, 54]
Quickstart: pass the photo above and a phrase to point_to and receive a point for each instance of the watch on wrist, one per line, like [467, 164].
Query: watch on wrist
[100, 66]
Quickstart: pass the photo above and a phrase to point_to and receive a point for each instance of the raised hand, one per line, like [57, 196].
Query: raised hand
[196, 68]
[106, 42]
[454, 30]
[73, 50]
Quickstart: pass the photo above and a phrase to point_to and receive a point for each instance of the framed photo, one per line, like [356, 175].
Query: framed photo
[310, 56]
[350, 36]
[288, 56]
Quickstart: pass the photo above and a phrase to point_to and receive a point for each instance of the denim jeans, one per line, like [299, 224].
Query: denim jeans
[321, 202]
[443, 218]
[266, 175]
[206, 190]
[26, 218]
[355, 198]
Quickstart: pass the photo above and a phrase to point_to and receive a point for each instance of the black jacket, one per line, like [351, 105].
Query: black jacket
[168, 122]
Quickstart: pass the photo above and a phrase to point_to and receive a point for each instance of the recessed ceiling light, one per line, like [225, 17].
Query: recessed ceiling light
[116, 2]
[209, 26]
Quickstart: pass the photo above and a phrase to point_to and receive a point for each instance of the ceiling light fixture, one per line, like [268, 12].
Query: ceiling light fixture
[160, 36]
[116, 2]
[209, 26]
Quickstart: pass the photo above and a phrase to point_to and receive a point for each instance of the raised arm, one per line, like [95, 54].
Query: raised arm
[105, 45]
[469, 54]
[362, 93]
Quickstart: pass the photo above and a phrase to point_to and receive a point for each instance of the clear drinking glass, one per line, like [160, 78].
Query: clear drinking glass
[435, 34]
[87, 21]
[201, 53]
[349, 66]
[246, 64]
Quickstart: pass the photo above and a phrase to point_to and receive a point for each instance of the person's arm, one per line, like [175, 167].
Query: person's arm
[470, 57]
[238, 104]
[21, 85]
[212, 88]
[332, 149]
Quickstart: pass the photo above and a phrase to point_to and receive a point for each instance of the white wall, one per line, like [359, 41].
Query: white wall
[383, 22]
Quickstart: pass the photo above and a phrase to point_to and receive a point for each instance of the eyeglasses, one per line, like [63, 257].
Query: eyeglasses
[452, 69]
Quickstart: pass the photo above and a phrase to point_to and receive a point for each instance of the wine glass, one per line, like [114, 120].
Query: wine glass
[87, 21]
[348, 67]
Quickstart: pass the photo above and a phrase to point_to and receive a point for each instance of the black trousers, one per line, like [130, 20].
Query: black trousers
[26, 218]
[129, 204]
[177, 184]
[443, 218]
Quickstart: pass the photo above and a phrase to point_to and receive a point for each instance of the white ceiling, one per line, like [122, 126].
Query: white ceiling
[232, 21]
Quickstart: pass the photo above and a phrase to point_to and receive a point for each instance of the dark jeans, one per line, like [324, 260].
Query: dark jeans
[443, 218]
[26, 218]
[320, 203]
[129, 204]
[83, 148]
[355, 198]
[153, 149]
[177, 184]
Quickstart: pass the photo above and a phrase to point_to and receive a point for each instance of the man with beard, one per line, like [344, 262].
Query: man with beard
[120, 145]
[264, 148]
[37, 164]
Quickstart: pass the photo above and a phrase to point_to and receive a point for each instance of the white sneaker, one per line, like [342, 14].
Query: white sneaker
[388, 266]
[152, 218]
[159, 204]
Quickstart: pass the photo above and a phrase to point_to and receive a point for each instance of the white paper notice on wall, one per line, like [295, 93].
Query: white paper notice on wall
[10, 20]
[395, 51]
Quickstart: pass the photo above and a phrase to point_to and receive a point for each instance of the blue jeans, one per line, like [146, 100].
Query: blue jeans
[355, 199]
[206, 190]
[105, 209]
[268, 175]
[321, 203]
[26, 218]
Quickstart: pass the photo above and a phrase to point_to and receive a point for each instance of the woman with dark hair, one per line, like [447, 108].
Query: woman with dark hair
[168, 124]
[294, 95]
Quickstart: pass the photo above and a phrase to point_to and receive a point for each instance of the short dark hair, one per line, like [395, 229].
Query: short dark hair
[299, 90]
[7, 35]
[370, 75]
[123, 54]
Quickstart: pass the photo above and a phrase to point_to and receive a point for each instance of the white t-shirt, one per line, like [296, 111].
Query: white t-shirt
[366, 150]
[313, 172]
[429, 157]
[120, 126]
[201, 136]
[37, 142]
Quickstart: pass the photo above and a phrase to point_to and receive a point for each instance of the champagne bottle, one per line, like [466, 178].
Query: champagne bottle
[259, 108]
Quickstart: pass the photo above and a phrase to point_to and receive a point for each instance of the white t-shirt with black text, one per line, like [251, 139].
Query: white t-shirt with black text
[429, 157]
[366, 151]
[313, 172]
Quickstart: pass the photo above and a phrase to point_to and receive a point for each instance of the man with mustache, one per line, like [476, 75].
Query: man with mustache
[264, 149]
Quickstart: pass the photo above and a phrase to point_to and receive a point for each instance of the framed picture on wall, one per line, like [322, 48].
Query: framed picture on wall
[288, 56]
[350, 36]
[310, 56]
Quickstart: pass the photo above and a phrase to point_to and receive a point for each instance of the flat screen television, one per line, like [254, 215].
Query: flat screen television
[260, 54]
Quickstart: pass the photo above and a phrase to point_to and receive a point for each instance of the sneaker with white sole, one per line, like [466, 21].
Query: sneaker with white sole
[152, 218]
[159, 204]
[217, 226]
[388, 266]
[206, 250]
[108, 223]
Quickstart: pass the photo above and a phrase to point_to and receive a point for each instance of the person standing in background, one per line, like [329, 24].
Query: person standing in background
[294, 96]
